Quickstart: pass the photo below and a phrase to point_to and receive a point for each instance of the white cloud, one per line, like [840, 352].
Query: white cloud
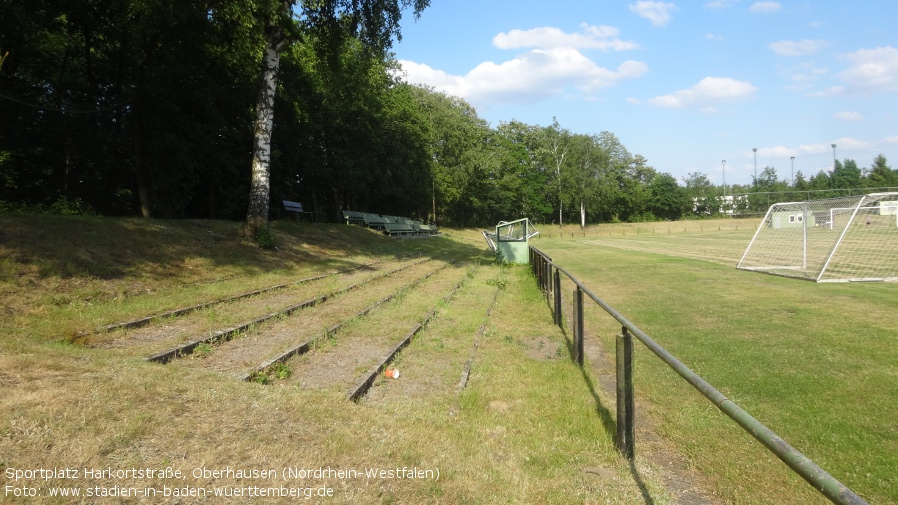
[797, 47]
[803, 75]
[846, 143]
[529, 78]
[828, 92]
[776, 152]
[848, 116]
[765, 7]
[720, 4]
[708, 91]
[420, 73]
[553, 67]
[891, 140]
[656, 12]
[716, 38]
[589, 37]
[850, 143]
[872, 70]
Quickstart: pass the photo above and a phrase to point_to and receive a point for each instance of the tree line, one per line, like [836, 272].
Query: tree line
[222, 108]
[846, 178]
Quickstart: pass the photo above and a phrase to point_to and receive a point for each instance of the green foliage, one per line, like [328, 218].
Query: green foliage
[282, 371]
[881, 175]
[71, 207]
[63, 206]
[203, 349]
[499, 283]
[265, 238]
[95, 91]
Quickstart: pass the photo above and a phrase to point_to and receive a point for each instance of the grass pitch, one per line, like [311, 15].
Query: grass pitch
[817, 363]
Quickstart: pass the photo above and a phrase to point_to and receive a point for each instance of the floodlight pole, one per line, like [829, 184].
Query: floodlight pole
[724, 172]
[755, 150]
[834, 156]
[793, 171]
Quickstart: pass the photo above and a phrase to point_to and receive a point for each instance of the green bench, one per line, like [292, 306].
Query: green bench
[390, 225]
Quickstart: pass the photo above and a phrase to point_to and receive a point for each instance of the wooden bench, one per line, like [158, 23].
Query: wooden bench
[295, 208]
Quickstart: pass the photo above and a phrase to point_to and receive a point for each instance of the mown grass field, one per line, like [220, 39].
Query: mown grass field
[817, 363]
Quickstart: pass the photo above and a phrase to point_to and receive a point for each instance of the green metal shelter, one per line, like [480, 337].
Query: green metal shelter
[511, 240]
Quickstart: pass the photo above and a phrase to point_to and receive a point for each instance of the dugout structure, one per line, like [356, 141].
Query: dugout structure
[511, 240]
[844, 239]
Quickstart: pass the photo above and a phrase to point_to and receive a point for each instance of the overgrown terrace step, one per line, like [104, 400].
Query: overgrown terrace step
[369, 378]
[216, 322]
[270, 337]
[182, 311]
[339, 363]
[443, 351]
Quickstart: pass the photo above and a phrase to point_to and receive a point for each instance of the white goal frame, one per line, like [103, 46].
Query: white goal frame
[841, 239]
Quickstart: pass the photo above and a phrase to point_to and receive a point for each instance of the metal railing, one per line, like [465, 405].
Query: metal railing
[548, 276]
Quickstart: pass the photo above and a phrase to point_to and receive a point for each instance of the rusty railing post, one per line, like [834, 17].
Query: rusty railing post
[541, 273]
[558, 298]
[548, 278]
[574, 318]
[625, 401]
[578, 333]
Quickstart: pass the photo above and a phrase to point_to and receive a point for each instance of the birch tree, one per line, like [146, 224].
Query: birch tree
[585, 174]
[373, 22]
[555, 149]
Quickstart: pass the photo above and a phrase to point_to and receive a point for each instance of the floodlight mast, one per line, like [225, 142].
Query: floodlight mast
[755, 150]
[724, 170]
[793, 171]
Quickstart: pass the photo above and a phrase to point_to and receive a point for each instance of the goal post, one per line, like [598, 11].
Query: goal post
[834, 240]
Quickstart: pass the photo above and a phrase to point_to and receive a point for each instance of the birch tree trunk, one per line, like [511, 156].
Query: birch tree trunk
[259, 193]
[380, 19]
[582, 215]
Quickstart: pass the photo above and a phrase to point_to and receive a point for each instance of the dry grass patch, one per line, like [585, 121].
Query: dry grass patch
[524, 430]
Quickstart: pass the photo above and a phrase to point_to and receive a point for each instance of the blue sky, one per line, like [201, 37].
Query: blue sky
[685, 84]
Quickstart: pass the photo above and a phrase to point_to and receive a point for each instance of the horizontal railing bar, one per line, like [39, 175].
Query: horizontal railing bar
[828, 485]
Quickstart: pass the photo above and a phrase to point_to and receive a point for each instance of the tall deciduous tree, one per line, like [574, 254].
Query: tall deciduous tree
[555, 149]
[846, 175]
[585, 175]
[374, 22]
[701, 194]
[669, 200]
[881, 175]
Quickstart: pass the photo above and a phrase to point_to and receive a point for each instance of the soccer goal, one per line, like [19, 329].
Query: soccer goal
[844, 239]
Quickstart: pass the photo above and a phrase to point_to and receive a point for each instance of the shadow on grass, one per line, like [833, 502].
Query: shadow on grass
[609, 423]
[120, 248]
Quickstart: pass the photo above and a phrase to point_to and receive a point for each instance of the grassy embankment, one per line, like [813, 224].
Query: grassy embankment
[526, 429]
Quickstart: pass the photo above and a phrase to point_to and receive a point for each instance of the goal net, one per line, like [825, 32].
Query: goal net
[842, 239]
